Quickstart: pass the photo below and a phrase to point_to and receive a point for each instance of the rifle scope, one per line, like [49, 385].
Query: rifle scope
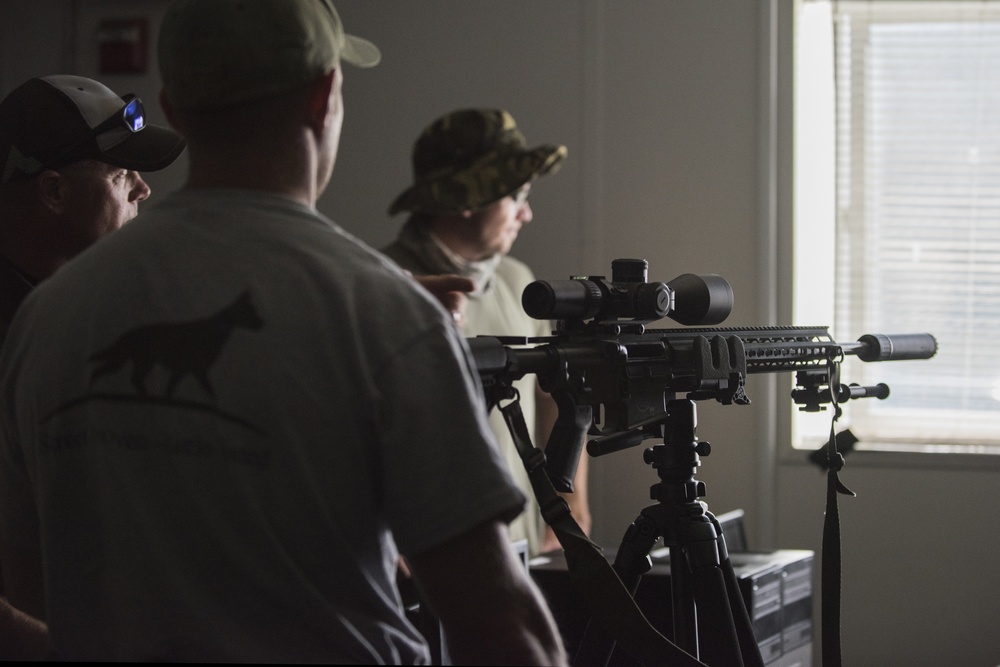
[689, 298]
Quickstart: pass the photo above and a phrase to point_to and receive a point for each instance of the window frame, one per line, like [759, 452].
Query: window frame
[780, 103]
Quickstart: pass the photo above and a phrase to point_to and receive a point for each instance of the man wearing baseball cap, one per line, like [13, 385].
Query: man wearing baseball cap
[70, 155]
[472, 171]
[237, 440]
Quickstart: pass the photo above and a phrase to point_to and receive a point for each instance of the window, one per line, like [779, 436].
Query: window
[897, 210]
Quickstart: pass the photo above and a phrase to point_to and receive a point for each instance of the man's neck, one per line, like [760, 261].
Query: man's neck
[289, 170]
[31, 252]
[448, 231]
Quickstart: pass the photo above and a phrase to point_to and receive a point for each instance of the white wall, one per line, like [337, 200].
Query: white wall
[666, 108]
[661, 165]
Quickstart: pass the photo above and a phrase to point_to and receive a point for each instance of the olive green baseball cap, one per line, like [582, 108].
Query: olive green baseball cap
[218, 53]
[469, 158]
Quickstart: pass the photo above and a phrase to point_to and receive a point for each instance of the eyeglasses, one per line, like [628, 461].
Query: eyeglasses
[132, 117]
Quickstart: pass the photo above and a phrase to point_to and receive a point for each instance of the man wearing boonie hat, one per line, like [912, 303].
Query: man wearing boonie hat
[472, 171]
[231, 437]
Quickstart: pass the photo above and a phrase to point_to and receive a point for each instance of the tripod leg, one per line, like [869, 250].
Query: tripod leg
[719, 642]
[727, 636]
[682, 602]
[749, 648]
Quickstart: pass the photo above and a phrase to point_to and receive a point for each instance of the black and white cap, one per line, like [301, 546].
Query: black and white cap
[49, 122]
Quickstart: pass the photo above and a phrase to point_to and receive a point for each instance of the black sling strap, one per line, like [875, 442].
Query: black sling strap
[591, 573]
[831, 566]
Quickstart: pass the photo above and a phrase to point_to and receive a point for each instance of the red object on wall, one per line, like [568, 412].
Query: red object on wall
[123, 46]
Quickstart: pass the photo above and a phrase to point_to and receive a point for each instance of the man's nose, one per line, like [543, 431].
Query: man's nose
[140, 189]
[524, 213]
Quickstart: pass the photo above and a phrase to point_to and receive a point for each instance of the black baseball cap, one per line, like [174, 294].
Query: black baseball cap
[52, 121]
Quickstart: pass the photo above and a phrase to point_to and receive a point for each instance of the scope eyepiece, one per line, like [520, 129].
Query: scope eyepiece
[562, 299]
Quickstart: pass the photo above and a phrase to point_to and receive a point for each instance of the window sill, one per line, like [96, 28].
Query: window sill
[906, 457]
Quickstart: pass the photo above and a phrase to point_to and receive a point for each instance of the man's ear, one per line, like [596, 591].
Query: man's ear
[50, 189]
[322, 100]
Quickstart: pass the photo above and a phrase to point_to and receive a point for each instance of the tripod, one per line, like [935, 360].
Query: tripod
[710, 620]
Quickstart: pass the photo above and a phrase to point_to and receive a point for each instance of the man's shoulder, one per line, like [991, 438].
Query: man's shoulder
[406, 258]
[515, 272]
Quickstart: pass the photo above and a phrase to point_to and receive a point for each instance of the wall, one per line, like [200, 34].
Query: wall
[670, 113]
[41, 37]
[661, 163]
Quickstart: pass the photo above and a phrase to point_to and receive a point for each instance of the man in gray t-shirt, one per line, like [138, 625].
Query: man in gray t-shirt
[224, 440]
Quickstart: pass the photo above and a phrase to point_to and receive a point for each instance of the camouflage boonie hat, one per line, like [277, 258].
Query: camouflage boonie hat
[470, 158]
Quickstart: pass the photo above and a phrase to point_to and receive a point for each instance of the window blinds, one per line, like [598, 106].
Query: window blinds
[918, 213]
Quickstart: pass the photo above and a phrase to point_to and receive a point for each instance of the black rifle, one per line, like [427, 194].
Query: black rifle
[621, 384]
[616, 385]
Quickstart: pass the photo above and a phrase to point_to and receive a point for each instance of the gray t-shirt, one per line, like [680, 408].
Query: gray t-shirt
[496, 310]
[218, 431]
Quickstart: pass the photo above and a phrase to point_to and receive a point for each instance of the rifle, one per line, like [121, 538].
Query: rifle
[618, 383]
[613, 380]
